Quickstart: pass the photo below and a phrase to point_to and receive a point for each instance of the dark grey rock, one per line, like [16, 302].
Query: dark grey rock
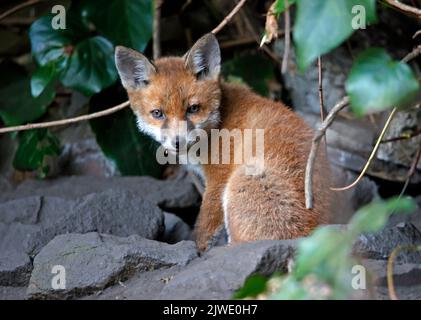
[176, 229]
[381, 244]
[177, 193]
[15, 268]
[28, 224]
[215, 275]
[94, 261]
[224, 269]
[12, 293]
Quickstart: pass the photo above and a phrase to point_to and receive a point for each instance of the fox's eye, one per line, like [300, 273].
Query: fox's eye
[157, 114]
[193, 108]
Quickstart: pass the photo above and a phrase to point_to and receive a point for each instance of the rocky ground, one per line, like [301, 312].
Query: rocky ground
[116, 242]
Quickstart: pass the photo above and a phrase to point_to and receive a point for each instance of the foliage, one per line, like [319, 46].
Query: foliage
[234, 71]
[34, 149]
[323, 263]
[375, 82]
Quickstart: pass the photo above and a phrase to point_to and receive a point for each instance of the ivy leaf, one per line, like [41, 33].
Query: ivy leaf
[124, 22]
[34, 147]
[376, 82]
[90, 68]
[253, 286]
[322, 25]
[17, 105]
[280, 6]
[119, 138]
[83, 63]
[258, 72]
[41, 78]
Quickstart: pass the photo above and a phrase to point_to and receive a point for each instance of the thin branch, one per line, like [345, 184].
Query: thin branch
[413, 54]
[403, 137]
[284, 67]
[228, 17]
[389, 272]
[20, 7]
[321, 98]
[404, 8]
[416, 34]
[372, 155]
[157, 29]
[66, 121]
[411, 171]
[308, 184]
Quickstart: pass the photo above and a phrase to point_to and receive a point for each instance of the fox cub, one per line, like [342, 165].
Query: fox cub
[266, 205]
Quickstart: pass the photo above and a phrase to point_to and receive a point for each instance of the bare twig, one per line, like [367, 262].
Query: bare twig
[287, 38]
[404, 8]
[228, 17]
[308, 184]
[20, 7]
[372, 155]
[321, 98]
[66, 121]
[157, 29]
[411, 171]
[390, 285]
[416, 34]
[413, 54]
[403, 137]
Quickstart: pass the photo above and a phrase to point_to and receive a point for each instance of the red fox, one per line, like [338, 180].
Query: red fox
[267, 205]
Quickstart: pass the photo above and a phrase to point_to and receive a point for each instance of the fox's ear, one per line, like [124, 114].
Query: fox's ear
[133, 67]
[204, 58]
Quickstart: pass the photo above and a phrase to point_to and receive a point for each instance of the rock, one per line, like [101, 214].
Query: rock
[12, 293]
[93, 261]
[176, 230]
[171, 195]
[224, 269]
[406, 279]
[381, 244]
[15, 268]
[28, 224]
[215, 275]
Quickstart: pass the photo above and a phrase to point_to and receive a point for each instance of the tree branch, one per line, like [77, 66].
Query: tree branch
[404, 8]
[66, 121]
[20, 7]
[228, 17]
[308, 180]
[157, 29]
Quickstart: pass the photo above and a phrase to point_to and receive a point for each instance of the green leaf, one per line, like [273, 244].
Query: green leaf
[373, 217]
[17, 105]
[124, 22]
[280, 5]
[376, 82]
[119, 138]
[254, 70]
[91, 66]
[84, 63]
[322, 25]
[253, 286]
[34, 147]
[41, 78]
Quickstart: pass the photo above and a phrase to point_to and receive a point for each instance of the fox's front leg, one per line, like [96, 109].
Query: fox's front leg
[211, 216]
